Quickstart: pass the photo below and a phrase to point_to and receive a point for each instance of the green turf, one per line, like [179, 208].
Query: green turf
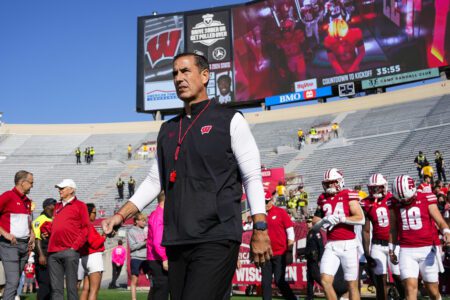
[122, 294]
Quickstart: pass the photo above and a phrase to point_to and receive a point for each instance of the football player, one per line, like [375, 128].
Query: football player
[310, 17]
[291, 41]
[415, 213]
[376, 212]
[338, 210]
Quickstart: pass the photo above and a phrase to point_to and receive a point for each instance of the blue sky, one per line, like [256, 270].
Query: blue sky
[74, 61]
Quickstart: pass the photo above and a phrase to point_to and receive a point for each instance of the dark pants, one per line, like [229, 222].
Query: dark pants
[14, 258]
[312, 274]
[336, 133]
[277, 267]
[160, 281]
[130, 191]
[115, 274]
[78, 159]
[419, 172]
[60, 264]
[201, 271]
[43, 279]
[441, 174]
[120, 191]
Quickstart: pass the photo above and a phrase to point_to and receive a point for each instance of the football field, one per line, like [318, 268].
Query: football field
[121, 294]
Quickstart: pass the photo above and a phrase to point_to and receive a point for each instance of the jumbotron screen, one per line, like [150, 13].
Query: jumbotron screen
[272, 47]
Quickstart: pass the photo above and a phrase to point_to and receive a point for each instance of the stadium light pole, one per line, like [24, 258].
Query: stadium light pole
[1, 120]
[154, 13]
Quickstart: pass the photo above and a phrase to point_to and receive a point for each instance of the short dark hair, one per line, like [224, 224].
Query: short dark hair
[119, 242]
[200, 61]
[90, 207]
[357, 188]
[225, 77]
[21, 175]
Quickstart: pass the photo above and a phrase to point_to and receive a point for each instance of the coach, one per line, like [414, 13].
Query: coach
[69, 234]
[17, 238]
[205, 154]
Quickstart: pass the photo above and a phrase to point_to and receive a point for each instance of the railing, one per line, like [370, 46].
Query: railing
[407, 125]
[107, 155]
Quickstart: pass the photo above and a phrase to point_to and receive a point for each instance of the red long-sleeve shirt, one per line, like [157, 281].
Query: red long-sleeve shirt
[69, 227]
[95, 242]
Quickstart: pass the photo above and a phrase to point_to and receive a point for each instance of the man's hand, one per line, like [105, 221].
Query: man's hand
[10, 238]
[42, 260]
[31, 243]
[165, 265]
[393, 257]
[260, 249]
[447, 238]
[109, 224]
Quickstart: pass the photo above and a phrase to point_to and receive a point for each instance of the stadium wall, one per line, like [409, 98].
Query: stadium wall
[360, 103]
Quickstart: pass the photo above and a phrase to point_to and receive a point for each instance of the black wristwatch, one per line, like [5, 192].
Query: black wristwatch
[260, 226]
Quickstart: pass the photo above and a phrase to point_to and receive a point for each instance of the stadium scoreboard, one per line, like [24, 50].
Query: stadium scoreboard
[293, 50]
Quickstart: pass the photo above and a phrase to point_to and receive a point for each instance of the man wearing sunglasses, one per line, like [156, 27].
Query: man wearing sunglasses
[17, 238]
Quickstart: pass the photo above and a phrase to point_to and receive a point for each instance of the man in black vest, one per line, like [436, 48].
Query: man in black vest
[205, 155]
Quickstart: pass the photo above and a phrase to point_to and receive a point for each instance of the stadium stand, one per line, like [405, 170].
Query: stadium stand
[388, 128]
[51, 158]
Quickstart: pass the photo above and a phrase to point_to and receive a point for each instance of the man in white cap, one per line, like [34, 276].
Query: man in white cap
[69, 234]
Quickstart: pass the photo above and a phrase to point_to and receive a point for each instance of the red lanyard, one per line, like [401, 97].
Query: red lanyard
[180, 138]
[173, 173]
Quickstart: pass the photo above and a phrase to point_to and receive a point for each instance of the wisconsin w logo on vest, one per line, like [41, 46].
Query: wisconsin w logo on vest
[206, 129]
[163, 46]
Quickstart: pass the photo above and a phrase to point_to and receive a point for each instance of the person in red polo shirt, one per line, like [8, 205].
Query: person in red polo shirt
[17, 238]
[281, 233]
[69, 234]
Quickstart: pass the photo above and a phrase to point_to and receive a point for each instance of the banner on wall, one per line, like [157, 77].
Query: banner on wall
[400, 78]
[299, 96]
[209, 34]
[163, 39]
[295, 273]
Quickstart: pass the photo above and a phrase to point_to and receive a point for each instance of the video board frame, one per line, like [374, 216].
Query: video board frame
[373, 65]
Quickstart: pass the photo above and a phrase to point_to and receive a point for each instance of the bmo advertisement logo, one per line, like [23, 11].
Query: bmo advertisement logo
[299, 96]
[309, 94]
[305, 85]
